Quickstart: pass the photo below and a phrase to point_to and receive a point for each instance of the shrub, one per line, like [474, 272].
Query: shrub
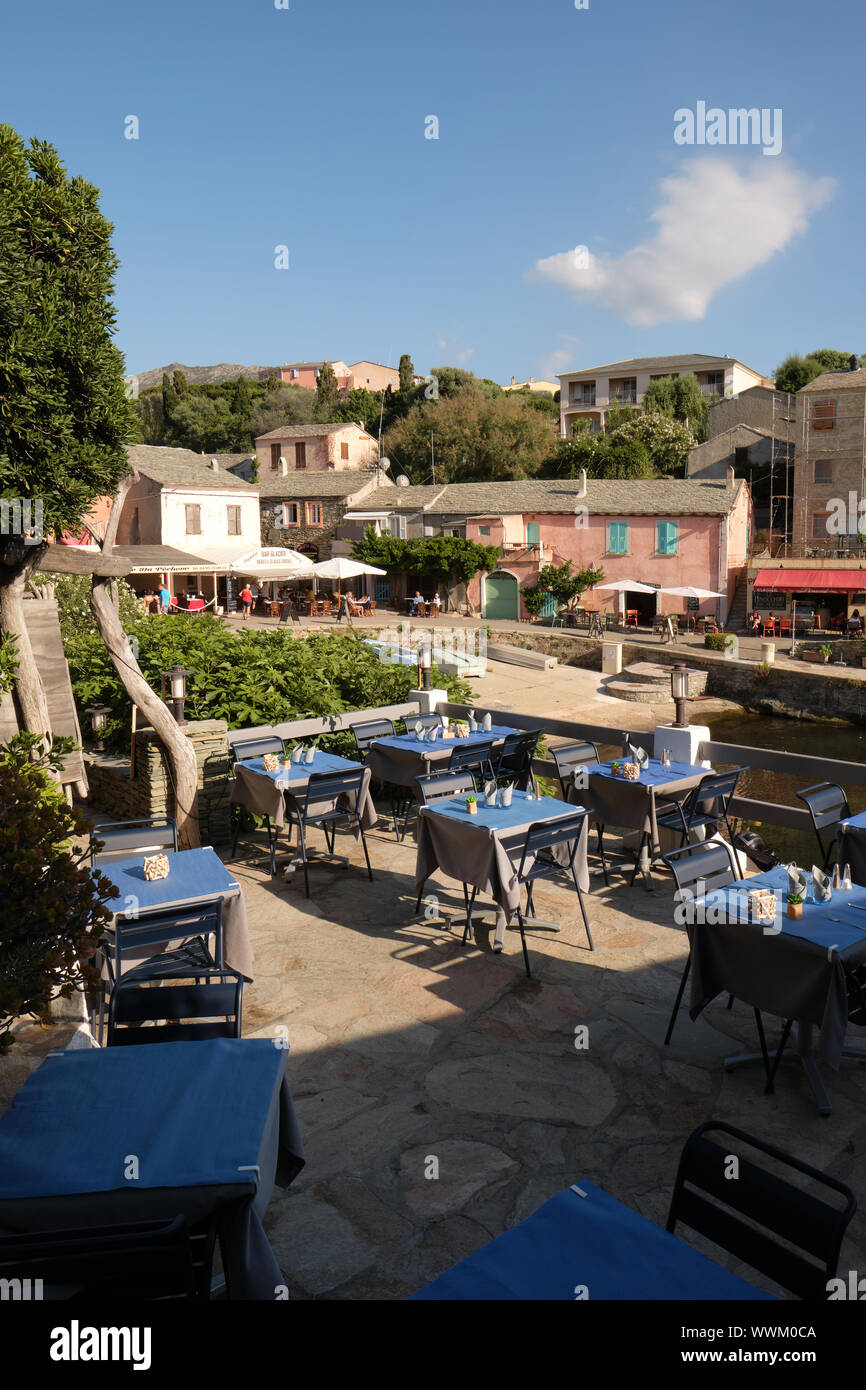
[717, 641]
[53, 904]
[763, 671]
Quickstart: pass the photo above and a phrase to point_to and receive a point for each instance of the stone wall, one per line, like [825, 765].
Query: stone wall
[150, 792]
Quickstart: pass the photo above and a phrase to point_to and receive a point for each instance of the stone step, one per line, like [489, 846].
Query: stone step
[657, 674]
[637, 693]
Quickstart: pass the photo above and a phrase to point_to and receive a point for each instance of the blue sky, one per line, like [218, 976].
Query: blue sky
[305, 127]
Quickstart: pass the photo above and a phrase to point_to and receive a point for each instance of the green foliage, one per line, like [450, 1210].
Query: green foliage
[65, 417]
[327, 391]
[205, 425]
[666, 440]
[798, 371]
[53, 903]
[450, 559]
[407, 373]
[559, 581]
[601, 455]
[534, 599]
[72, 594]
[477, 437]
[717, 641]
[255, 677]
[8, 662]
[681, 399]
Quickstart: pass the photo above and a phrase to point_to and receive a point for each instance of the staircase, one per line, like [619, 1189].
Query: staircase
[737, 616]
[649, 683]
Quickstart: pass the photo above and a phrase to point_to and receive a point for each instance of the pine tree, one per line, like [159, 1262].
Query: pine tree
[327, 392]
[407, 373]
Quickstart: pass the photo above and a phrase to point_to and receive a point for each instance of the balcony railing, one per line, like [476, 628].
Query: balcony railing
[623, 397]
[583, 400]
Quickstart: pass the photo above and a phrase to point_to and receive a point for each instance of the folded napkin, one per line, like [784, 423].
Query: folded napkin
[507, 793]
[487, 723]
[473, 722]
[821, 890]
[797, 880]
[490, 789]
[639, 756]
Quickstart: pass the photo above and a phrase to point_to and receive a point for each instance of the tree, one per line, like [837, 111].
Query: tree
[559, 581]
[601, 456]
[476, 437]
[170, 398]
[179, 382]
[797, 371]
[65, 417]
[205, 425]
[681, 398]
[407, 374]
[451, 380]
[668, 441]
[327, 392]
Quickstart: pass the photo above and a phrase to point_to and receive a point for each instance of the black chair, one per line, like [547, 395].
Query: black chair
[120, 839]
[371, 729]
[704, 807]
[141, 1260]
[537, 861]
[827, 804]
[332, 802]
[427, 721]
[443, 786]
[209, 1007]
[781, 1227]
[698, 869]
[243, 750]
[477, 758]
[571, 758]
[514, 761]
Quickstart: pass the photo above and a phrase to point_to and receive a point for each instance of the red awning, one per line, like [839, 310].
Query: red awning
[833, 581]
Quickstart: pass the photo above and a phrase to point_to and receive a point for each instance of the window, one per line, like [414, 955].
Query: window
[275, 456]
[396, 526]
[823, 471]
[193, 519]
[484, 530]
[533, 533]
[819, 525]
[300, 455]
[667, 537]
[824, 415]
[344, 450]
[290, 514]
[234, 520]
[617, 538]
[715, 385]
[383, 590]
[314, 513]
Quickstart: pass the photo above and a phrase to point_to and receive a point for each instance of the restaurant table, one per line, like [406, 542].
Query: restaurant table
[794, 969]
[484, 850]
[211, 1126]
[195, 876]
[632, 804]
[584, 1244]
[400, 758]
[851, 840]
[258, 791]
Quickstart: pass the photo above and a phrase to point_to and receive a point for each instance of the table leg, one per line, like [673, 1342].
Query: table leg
[807, 1055]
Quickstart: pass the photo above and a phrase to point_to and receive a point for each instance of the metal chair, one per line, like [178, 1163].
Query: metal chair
[208, 1008]
[788, 1232]
[477, 758]
[243, 750]
[705, 866]
[427, 721]
[122, 838]
[537, 862]
[514, 761]
[570, 758]
[827, 804]
[705, 805]
[132, 1261]
[321, 807]
[443, 786]
[371, 729]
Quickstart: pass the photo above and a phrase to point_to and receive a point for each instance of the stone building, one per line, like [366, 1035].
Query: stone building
[829, 481]
[309, 448]
[303, 510]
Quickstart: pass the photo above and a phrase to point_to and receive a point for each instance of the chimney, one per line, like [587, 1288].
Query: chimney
[284, 467]
[731, 475]
[513, 382]
[531, 380]
[214, 465]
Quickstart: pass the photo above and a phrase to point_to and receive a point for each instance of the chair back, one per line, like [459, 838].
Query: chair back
[569, 756]
[752, 1216]
[370, 729]
[444, 786]
[478, 757]
[427, 721]
[121, 838]
[826, 803]
[157, 928]
[712, 795]
[141, 1260]
[325, 788]
[704, 866]
[209, 1007]
[546, 834]
[516, 754]
[245, 748]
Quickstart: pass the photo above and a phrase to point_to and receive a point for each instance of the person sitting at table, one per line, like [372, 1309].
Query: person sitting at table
[855, 622]
[437, 604]
[417, 601]
[755, 622]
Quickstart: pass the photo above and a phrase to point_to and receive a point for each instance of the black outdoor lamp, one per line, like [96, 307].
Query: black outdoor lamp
[176, 679]
[425, 662]
[680, 694]
[98, 715]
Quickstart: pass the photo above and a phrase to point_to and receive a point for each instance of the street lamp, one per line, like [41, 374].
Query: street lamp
[98, 715]
[680, 694]
[176, 680]
[425, 662]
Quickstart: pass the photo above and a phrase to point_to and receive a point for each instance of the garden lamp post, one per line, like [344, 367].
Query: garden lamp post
[176, 681]
[98, 715]
[680, 694]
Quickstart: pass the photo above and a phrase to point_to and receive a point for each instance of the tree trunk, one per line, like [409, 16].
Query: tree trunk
[17, 563]
[180, 752]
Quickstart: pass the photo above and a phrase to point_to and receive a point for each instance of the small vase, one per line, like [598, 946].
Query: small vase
[472, 808]
[795, 911]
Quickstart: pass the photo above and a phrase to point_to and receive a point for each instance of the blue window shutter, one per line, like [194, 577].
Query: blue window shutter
[533, 532]
[666, 537]
[617, 537]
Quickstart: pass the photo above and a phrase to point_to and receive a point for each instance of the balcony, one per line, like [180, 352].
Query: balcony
[623, 397]
[583, 401]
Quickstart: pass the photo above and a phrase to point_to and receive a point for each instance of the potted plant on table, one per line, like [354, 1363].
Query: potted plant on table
[472, 805]
[795, 905]
[615, 768]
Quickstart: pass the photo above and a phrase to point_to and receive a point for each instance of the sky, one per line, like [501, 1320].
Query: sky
[565, 214]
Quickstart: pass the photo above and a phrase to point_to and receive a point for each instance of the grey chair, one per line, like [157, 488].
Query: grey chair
[427, 721]
[513, 763]
[120, 839]
[477, 757]
[332, 803]
[827, 804]
[370, 729]
[570, 758]
[243, 750]
[443, 786]
[538, 862]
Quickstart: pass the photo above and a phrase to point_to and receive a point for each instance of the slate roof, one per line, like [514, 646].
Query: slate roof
[834, 381]
[700, 360]
[308, 431]
[182, 468]
[607, 497]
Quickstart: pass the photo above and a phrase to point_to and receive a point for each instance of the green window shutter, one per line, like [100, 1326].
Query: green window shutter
[667, 533]
[617, 537]
[533, 532]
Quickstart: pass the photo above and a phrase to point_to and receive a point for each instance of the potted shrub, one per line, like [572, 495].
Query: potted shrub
[795, 905]
[472, 805]
[817, 655]
[616, 768]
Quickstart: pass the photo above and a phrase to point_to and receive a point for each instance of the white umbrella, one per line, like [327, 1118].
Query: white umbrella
[341, 568]
[634, 585]
[688, 591]
[274, 562]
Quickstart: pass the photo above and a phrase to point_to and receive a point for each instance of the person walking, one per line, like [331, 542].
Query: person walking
[164, 597]
[246, 598]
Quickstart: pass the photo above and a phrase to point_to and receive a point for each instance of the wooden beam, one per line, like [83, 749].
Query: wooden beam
[75, 559]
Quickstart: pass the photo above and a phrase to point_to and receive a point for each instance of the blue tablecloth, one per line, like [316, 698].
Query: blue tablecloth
[522, 812]
[654, 775]
[300, 773]
[414, 744]
[191, 1112]
[815, 925]
[593, 1243]
[193, 873]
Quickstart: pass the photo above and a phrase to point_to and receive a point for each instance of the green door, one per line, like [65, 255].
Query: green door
[501, 596]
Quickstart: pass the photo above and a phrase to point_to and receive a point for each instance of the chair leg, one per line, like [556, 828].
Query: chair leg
[302, 842]
[600, 831]
[759, 1023]
[679, 999]
[769, 1088]
[468, 928]
[402, 834]
[421, 893]
[520, 923]
[582, 907]
[237, 833]
[644, 840]
[366, 851]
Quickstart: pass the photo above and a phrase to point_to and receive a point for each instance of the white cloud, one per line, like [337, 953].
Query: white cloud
[715, 223]
[559, 359]
[456, 353]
